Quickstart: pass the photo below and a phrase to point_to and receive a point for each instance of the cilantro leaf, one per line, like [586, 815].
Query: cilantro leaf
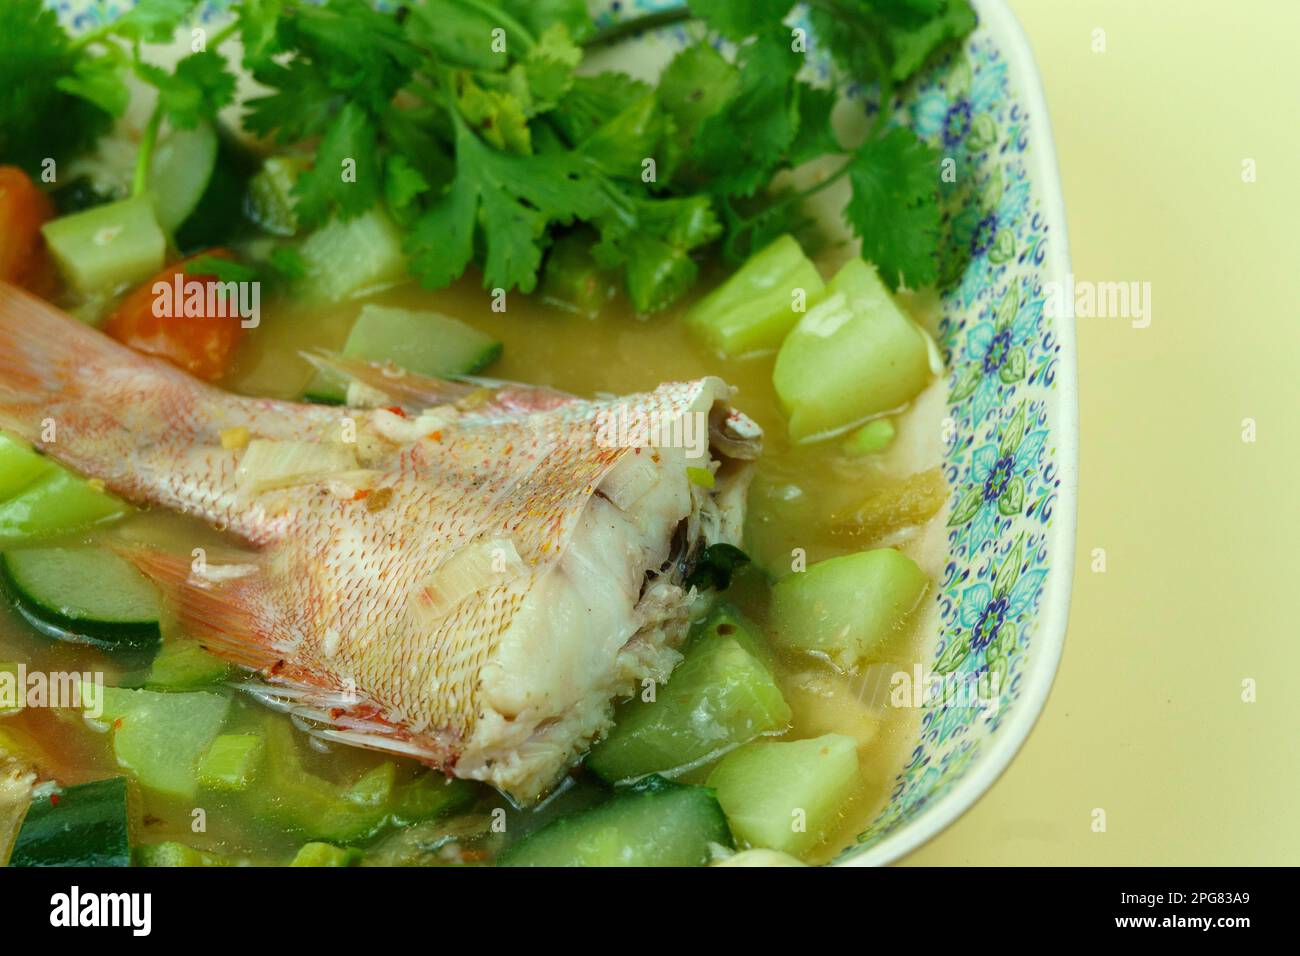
[620, 146]
[548, 67]
[538, 15]
[651, 240]
[592, 100]
[893, 39]
[259, 22]
[99, 80]
[346, 177]
[816, 136]
[301, 105]
[735, 21]
[912, 48]
[456, 33]
[47, 108]
[512, 199]
[154, 21]
[739, 148]
[894, 207]
[403, 185]
[497, 115]
[197, 90]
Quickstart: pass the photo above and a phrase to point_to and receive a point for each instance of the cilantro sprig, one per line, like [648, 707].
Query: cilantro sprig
[470, 121]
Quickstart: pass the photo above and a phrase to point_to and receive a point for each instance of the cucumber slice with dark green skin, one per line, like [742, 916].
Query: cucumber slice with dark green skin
[718, 698]
[651, 823]
[85, 825]
[83, 595]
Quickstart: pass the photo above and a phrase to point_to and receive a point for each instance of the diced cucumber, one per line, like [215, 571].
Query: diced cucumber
[161, 737]
[853, 355]
[787, 795]
[230, 762]
[179, 172]
[843, 608]
[171, 854]
[84, 595]
[719, 697]
[422, 342]
[652, 823]
[326, 854]
[20, 465]
[107, 247]
[85, 825]
[270, 201]
[183, 665]
[286, 795]
[359, 255]
[432, 794]
[755, 308]
[871, 438]
[55, 502]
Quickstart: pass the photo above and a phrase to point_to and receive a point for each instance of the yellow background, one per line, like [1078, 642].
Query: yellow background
[1201, 530]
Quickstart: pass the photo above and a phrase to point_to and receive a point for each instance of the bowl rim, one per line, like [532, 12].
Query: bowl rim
[1049, 636]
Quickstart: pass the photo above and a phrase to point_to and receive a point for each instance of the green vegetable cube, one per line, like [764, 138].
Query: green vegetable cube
[182, 665]
[843, 608]
[853, 355]
[56, 502]
[162, 737]
[171, 854]
[20, 465]
[720, 696]
[231, 762]
[326, 854]
[345, 258]
[652, 823]
[787, 795]
[755, 308]
[108, 247]
[871, 438]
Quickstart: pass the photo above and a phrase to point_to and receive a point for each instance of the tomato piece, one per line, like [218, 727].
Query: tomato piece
[202, 344]
[24, 208]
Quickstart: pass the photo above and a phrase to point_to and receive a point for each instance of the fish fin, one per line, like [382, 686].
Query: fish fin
[338, 715]
[225, 612]
[414, 393]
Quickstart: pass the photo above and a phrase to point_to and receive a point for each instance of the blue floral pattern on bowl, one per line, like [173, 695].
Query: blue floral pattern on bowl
[1011, 444]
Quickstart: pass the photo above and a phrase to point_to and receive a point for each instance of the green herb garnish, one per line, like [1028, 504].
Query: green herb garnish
[468, 120]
